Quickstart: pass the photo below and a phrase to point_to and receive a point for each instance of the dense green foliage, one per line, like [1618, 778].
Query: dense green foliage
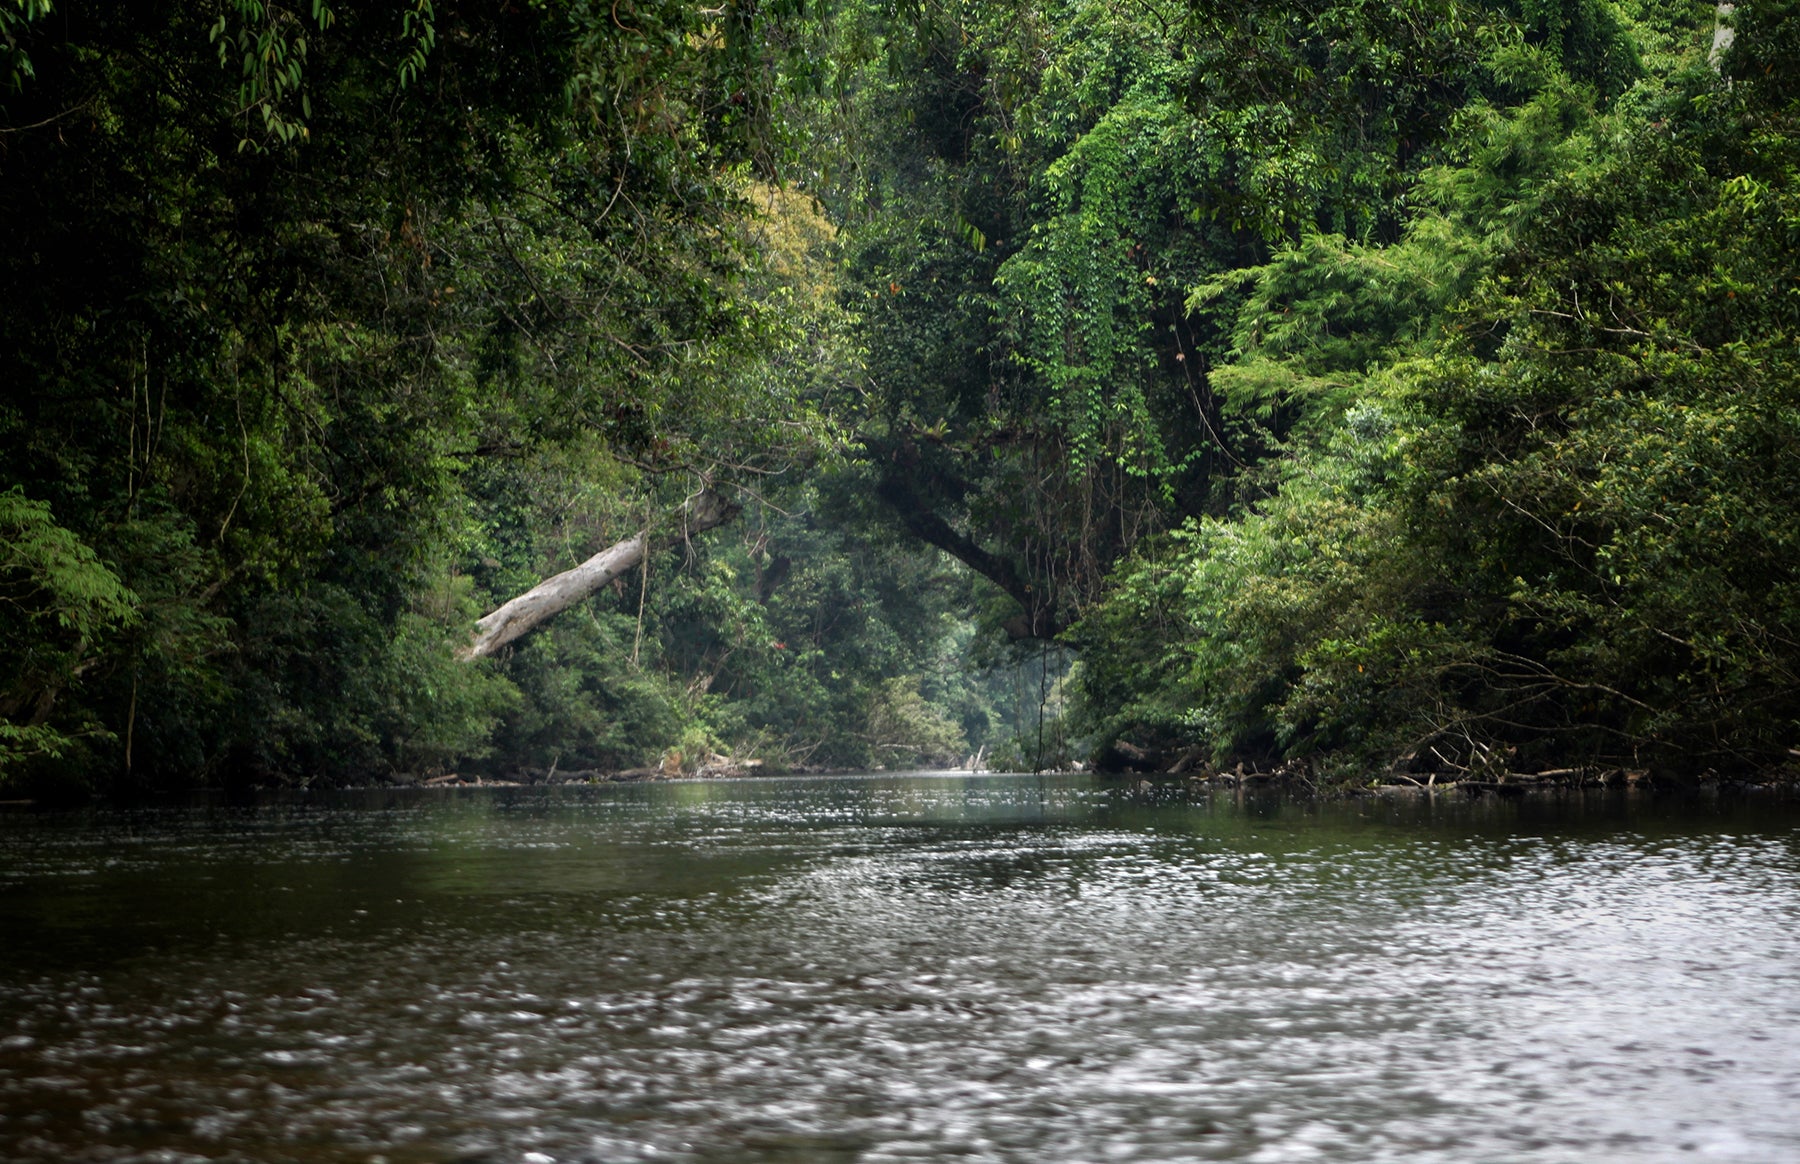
[332, 326]
[1044, 186]
[1536, 508]
[1367, 382]
[285, 336]
[1364, 382]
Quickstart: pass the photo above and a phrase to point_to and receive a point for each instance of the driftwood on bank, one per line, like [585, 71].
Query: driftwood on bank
[552, 596]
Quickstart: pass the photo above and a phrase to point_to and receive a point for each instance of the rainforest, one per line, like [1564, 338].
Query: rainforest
[1392, 390]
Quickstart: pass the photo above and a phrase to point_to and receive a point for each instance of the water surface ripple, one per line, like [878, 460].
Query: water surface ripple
[901, 968]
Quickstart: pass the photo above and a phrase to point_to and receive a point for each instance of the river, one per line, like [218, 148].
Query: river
[901, 967]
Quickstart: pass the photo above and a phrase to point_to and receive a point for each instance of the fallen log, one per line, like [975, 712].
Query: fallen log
[552, 596]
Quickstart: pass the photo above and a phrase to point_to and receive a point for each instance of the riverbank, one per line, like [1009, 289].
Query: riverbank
[1487, 771]
[1287, 778]
[1297, 777]
[1497, 783]
[716, 767]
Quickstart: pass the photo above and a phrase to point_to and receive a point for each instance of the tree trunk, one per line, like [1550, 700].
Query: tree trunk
[1038, 618]
[552, 596]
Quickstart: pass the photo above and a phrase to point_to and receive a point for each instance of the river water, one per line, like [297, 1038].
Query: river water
[899, 968]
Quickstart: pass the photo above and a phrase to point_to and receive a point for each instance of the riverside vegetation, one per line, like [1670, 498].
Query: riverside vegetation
[1368, 387]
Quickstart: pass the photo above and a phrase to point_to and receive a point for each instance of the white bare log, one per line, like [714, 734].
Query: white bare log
[552, 596]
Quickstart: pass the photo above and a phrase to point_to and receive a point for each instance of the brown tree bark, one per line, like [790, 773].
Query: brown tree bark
[551, 597]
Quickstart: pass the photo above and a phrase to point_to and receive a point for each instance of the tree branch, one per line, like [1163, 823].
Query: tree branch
[551, 597]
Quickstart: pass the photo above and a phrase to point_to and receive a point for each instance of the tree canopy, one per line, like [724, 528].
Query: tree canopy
[1397, 387]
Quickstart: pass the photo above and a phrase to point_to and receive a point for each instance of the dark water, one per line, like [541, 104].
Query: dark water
[901, 968]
